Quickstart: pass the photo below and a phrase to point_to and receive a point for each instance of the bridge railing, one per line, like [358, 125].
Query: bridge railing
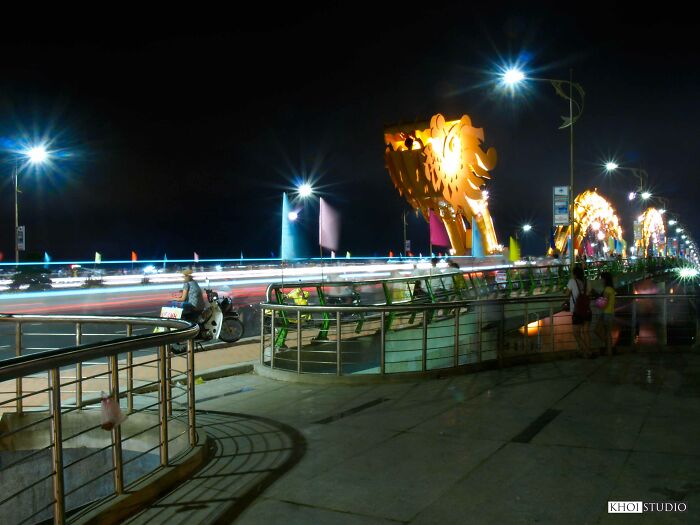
[437, 285]
[394, 339]
[55, 456]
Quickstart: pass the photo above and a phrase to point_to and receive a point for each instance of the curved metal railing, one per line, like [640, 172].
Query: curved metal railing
[53, 410]
[392, 339]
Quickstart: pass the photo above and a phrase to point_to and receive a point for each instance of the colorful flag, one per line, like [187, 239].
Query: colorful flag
[328, 226]
[47, 260]
[196, 257]
[514, 250]
[332, 254]
[438, 233]
[134, 258]
[477, 245]
[165, 260]
[98, 257]
[347, 255]
[287, 243]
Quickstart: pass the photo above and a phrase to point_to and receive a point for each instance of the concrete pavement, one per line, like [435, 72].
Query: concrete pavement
[545, 443]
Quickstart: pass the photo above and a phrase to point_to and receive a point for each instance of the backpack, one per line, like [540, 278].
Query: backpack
[582, 305]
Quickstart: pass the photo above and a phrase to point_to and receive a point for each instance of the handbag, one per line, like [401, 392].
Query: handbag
[601, 302]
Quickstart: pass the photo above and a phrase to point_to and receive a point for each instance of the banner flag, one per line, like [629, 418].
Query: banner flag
[47, 260]
[98, 257]
[134, 258]
[514, 250]
[477, 245]
[438, 233]
[165, 260]
[196, 257]
[328, 226]
[287, 245]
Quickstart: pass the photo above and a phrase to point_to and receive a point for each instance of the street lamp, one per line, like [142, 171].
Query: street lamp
[35, 155]
[511, 78]
[305, 190]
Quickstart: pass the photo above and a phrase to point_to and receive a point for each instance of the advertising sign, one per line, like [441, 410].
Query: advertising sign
[20, 238]
[560, 205]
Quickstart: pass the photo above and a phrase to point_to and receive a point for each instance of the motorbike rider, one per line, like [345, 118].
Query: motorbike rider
[191, 299]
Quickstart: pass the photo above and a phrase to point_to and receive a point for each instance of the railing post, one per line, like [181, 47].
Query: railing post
[191, 423]
[633, 331]
[551, 328]
[129, 375]
[382, 343]
[525, 331]
[169, 380]
[338, 364]
[424, 354]
[78, 368]
[501, 336]
[272, 339]
[298, 341]
[479, 336]
[262, 335]
[57, 447]
[18, 353]
[116, 430]
[455, 359]
[664, 322]
[163, 405]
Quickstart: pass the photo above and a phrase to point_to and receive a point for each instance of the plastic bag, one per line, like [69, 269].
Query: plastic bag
[112, 415]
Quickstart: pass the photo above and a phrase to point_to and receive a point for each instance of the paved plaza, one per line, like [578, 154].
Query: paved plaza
[543, 443]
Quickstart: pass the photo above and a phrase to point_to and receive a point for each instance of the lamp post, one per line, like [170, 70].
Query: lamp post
[35, 155]
[511, 78]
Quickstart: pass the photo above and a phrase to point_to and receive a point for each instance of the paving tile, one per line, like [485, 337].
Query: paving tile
[273, 511]
[395, 479]
[525, 483]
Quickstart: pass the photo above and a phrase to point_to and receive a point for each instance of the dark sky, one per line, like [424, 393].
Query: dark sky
[178, 133]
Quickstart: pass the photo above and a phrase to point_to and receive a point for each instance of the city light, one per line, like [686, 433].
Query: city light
[37, 154]
[292, 216]
[632, 195]
[646, 195]
[512, 76]
[305, 190]
[611, 166]
[527, 227]
[672, 222]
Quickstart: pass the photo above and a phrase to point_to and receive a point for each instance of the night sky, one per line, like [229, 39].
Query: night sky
[178, 133]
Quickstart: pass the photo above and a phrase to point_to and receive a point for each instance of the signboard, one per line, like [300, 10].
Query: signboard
[637, 231]
[560, 205]
[407, 246]
[20, 238]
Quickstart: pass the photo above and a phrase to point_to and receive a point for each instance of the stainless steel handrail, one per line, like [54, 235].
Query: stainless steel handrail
[375, 336]
[36, 365]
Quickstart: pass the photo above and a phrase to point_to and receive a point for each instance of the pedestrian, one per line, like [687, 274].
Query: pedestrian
[581, 314]
[606, 303]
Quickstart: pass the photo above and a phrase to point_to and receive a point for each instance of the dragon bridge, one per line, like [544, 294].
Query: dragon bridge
[441, 166]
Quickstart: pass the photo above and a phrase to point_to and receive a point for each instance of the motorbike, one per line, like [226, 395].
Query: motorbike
[219, 320]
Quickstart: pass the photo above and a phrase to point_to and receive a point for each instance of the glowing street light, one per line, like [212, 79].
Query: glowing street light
[611, 166]
[632, 195]
[672, 222]
[527, 227]
[35, 155]
[646, 195]
[293, 216]
[511, 77]
[305, 190]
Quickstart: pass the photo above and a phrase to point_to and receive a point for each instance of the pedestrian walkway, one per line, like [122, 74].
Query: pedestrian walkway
[544, 443]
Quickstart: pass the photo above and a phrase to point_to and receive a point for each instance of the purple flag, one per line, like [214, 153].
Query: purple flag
[328, 226]
[438, 233]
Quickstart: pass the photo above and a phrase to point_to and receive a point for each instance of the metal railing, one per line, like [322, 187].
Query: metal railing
[55, 459]
[391, 339]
